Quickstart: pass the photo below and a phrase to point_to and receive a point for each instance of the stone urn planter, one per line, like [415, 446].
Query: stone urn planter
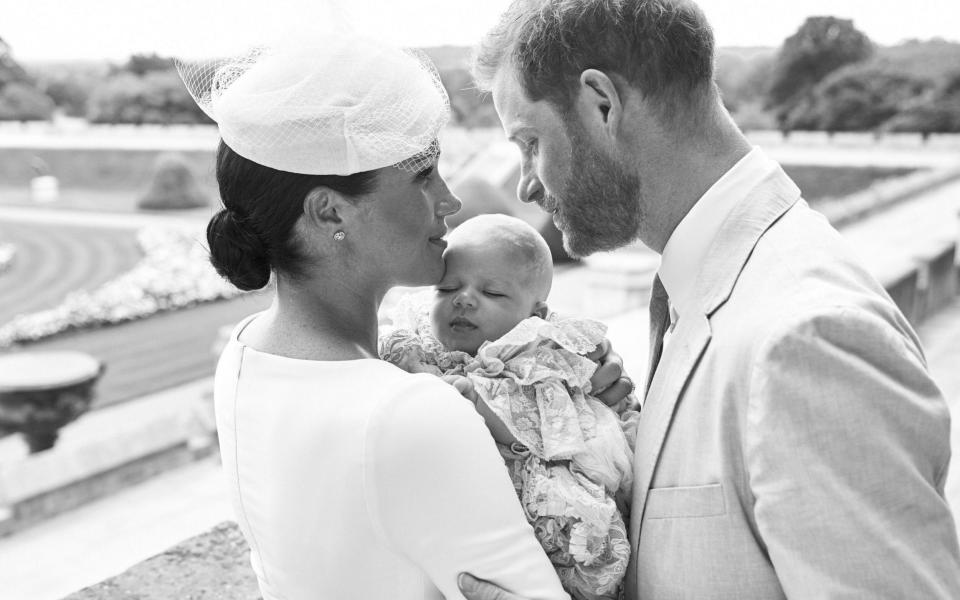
[40, 392]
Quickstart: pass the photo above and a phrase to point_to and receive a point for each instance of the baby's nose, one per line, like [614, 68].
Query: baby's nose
[463, 300]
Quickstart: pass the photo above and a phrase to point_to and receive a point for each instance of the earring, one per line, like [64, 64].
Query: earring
[339, 236]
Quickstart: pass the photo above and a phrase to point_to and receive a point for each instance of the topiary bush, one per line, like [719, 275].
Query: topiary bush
[172, 186]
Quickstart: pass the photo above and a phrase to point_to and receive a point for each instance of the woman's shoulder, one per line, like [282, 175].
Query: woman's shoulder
[424, 406]
[421, 391]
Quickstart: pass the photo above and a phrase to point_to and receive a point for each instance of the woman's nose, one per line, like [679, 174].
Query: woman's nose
[448, 203]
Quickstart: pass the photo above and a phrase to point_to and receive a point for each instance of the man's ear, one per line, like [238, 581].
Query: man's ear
[599, 101]
[324, 208]
[540, 309]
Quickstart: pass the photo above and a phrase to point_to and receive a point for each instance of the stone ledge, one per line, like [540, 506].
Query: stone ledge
[885, 194]
[103, 451]
[213, 566]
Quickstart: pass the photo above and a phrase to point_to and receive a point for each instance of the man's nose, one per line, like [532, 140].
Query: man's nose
[529, 189]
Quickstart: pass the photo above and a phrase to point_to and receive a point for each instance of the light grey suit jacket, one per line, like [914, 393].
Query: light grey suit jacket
[792, 443]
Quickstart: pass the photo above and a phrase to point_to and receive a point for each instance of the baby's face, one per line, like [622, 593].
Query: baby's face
[484, 293]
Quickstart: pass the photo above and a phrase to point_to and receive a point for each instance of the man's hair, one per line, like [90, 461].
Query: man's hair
[663, 48]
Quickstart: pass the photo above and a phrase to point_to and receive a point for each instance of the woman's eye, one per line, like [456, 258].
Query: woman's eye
[426, 173]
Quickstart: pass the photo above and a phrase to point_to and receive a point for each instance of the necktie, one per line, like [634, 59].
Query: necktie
[659, 322]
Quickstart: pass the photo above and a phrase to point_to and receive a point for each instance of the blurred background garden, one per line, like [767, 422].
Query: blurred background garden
[106, 183]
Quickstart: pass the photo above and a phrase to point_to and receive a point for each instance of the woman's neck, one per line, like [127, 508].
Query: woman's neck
[318, 322]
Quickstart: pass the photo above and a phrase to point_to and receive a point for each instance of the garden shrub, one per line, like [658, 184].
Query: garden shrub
[172, 186]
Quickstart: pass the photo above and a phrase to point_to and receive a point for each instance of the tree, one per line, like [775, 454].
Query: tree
[156, 97]
[68, 93]
[936, 112]
[173, 185]
[22, 102]
[141, 64]
[10, 70]
[821, 46]
[858, 97]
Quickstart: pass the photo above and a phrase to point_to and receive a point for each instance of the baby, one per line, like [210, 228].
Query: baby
[567, 453]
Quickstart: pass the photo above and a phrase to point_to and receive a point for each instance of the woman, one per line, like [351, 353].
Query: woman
[350, 478]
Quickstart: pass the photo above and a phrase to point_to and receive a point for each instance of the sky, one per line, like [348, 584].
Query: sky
[114, 29]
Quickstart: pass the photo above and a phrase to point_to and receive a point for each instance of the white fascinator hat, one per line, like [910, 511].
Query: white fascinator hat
[334, 103]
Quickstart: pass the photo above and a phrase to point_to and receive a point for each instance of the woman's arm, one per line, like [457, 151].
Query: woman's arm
[440, 495]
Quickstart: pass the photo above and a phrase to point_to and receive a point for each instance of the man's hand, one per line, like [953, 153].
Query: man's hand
[478, 589]
[609, 384]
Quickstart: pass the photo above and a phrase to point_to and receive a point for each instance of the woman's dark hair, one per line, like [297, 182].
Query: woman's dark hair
[252, 235]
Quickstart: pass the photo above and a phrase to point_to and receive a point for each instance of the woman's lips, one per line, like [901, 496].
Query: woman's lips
[442, 243]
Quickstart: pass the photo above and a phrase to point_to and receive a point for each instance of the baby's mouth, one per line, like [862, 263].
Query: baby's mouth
[462, 324]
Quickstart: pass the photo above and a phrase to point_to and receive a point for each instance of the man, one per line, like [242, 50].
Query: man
[792, 443]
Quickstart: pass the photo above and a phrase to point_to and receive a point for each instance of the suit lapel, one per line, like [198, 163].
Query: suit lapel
[729, 253]
[659, 319]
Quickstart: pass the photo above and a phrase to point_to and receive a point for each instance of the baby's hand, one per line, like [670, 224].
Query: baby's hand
[609, 383]
[498, 430]
[462, 385]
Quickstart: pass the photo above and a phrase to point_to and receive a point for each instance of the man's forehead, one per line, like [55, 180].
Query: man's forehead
[510, 101]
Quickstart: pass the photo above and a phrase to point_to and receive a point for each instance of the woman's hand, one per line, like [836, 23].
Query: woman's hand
[609, 383]
[478, 589]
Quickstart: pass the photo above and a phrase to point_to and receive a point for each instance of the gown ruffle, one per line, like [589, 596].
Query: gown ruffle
[572, 466]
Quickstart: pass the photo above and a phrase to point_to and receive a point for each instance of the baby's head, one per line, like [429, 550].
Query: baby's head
[498, 273]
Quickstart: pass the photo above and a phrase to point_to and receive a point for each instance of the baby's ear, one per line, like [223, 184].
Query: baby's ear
[540, 309]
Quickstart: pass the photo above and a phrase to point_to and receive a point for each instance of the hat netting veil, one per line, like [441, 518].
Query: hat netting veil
[334, 104]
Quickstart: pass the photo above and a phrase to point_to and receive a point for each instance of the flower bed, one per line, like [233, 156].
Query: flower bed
[174, 273]
[7, 253]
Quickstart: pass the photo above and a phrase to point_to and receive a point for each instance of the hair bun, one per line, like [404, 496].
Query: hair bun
[237, 253]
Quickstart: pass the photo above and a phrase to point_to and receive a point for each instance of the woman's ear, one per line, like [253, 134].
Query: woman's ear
[540, 309]
[599, 102]
[324, 207]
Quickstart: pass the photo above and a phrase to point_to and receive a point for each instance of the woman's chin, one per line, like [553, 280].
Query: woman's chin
[429, 275]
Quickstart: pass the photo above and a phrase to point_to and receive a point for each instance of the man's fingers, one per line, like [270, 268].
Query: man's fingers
[478, 589]
[618, 396]
[600, 351]
[607, 374]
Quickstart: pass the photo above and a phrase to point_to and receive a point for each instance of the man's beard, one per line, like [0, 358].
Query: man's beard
[598, 207]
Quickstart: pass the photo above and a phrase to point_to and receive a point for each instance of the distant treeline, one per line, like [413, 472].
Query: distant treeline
[828, 76]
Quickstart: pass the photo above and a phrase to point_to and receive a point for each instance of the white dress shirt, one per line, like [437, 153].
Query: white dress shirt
[687, 247]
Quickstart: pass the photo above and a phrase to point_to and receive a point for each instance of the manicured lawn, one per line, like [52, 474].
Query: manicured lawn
[821, 183]
[143, 356]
